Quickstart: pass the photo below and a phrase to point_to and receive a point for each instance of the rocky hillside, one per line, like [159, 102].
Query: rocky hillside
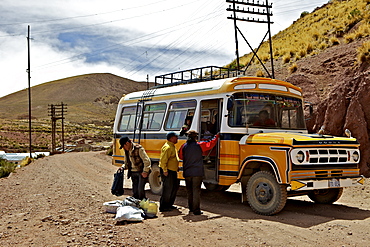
[339, 89]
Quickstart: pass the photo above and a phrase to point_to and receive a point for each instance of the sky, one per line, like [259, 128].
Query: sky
[131, 39]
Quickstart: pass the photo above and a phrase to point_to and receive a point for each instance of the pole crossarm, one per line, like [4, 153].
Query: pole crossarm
[247, 19]
[252, 7]
[252, 12]
[251, 3]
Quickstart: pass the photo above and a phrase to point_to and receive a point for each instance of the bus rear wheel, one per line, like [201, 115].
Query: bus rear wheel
[215, 187]
[325, 196]
[155, 180]
[264, 194]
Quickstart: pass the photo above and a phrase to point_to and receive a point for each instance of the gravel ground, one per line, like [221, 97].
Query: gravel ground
[58, 201]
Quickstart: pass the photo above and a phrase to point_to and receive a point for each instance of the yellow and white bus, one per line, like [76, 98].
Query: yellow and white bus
[264, 143]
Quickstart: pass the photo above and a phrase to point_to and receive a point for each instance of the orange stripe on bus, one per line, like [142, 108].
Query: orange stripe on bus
[229, 156]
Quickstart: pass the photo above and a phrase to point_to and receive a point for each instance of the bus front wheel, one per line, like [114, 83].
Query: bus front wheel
[264, 194]
[155, 180]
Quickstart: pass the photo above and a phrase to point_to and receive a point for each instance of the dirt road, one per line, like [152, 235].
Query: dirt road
[58, 201]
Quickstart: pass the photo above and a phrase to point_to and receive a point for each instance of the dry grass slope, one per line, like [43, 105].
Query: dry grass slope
[334, 23]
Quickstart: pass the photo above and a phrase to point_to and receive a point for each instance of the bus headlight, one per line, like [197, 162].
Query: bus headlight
[355, 156]
[300, 156]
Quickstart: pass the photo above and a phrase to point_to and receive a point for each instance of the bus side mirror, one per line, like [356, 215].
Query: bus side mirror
[310, 107]
[230, 103]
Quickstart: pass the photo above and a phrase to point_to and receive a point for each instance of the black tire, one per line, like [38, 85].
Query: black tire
[265, 195]
[215, 187]
[223, 187]
[326, 196]
[211, 187]
[155, 180]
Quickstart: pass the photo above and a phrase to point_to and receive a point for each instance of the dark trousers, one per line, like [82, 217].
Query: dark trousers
[193, 188]
[170, 186]
[138, 185]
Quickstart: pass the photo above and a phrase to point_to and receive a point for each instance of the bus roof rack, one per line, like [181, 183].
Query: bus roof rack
[207, 73]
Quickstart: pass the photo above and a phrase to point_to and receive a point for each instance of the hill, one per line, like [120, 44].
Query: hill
[90, 98]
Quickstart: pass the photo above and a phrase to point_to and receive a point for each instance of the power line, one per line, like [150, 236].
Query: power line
[135, 41]
[80, 16]
[158, 56]
[101, 23]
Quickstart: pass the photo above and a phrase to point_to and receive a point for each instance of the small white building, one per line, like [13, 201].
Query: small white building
[17, 158]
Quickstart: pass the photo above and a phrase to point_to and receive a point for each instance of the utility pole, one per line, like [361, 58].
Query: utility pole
[236, 37]
[56, 112]
[252, 7]
[29, 91]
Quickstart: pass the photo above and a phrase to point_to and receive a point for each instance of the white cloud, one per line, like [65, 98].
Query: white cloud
[127, 38]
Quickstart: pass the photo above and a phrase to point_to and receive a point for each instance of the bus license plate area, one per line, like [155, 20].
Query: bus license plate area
[334, 183]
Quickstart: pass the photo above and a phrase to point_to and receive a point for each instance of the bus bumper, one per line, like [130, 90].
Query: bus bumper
[299, 185]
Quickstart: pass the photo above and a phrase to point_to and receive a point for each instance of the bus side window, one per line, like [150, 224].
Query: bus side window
[153, 116]
[176, 119]
[177, 113]
[127, 122]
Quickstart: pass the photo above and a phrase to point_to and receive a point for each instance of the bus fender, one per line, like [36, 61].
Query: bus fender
[271, 164]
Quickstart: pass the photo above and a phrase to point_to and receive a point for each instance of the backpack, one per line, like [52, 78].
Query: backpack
[117, 186]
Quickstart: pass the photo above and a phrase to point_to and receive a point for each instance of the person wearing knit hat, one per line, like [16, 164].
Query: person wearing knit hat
[193, 170]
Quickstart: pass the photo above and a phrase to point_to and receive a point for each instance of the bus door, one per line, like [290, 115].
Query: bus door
[210, 120]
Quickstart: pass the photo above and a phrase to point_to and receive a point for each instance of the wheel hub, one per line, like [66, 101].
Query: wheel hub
[263, 193]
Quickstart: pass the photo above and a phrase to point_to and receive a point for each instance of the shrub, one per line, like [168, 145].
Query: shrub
[334, 41]
[315, 35]
[364, 29]
[265, 58]
[259, 73]
[293, 68]
[354, 14]
[359, 35]
[363, 53]
[349, 38]
[286, 59]
[323, 45]
[110, 151]
[304, 13]
[302, 53]
[40, 156]
[309, 48]
[26, 161]
[6, 168]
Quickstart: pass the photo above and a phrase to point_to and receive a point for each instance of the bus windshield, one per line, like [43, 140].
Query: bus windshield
[266, 111]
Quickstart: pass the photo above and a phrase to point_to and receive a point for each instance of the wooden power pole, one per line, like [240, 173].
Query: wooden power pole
[57, 112]
[29, 91]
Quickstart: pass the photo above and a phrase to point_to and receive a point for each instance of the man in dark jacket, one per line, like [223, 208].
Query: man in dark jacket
[191, 154]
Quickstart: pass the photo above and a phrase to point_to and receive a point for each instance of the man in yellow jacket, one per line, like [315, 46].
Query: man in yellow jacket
[169, 165]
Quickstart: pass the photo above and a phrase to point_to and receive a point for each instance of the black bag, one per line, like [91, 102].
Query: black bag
[117, 186]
